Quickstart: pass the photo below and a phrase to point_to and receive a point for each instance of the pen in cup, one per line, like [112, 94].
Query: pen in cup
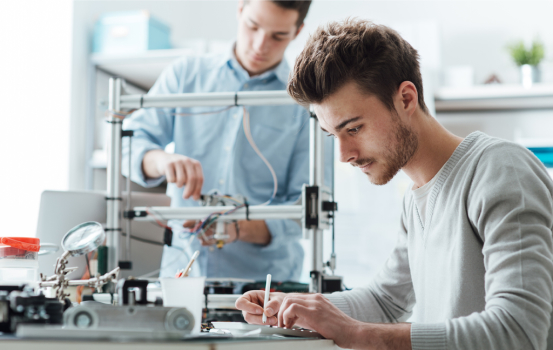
[184, 273]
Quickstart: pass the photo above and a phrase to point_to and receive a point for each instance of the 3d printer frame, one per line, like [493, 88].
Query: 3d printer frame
[315, 211]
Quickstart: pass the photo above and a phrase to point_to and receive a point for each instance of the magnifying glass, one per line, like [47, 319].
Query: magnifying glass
[80, 240]
[83, 238]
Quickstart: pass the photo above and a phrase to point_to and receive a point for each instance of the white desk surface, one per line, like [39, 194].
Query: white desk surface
[277, 344]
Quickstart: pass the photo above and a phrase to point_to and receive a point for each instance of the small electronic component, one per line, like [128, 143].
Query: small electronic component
[18, 306]
[206, 327]
[212, 199]
[215, 199]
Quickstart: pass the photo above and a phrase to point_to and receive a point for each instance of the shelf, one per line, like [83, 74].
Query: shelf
[141, 69]
[494, 97]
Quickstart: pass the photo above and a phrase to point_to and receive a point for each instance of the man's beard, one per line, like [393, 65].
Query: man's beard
[398, 154]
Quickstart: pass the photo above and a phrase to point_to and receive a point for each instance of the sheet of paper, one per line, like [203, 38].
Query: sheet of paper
[185, 292]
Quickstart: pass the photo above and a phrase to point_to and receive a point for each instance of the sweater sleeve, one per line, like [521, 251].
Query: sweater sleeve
[389, 297]
[510, 207]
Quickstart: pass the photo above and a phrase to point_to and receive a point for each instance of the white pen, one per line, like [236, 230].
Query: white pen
[267, 291]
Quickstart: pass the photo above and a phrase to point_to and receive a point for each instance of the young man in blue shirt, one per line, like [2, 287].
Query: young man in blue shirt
[212, 152]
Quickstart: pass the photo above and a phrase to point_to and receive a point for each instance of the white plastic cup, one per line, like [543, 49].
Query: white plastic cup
[187, 292]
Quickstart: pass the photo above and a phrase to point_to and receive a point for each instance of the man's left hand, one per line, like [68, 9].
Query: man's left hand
[208, 239]
[314, 311]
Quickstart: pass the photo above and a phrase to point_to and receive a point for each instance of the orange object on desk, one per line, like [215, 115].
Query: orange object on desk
[25, 243]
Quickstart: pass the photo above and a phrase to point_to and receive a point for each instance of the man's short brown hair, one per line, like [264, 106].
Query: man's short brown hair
[301, 6]
[375, 57]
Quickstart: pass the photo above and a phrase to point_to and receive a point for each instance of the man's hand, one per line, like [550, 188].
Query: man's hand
[314, 311]
[254, 231]
[178, 169]
[251, 304]
[208, 237]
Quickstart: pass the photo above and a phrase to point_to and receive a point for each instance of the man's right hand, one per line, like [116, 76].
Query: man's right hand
[178, 169]
[251, 304]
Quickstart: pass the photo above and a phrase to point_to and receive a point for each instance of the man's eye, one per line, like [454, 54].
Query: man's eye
[354, 130]
[277, 38]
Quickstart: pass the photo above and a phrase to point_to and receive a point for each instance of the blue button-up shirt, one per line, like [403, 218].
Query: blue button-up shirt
[229, 163]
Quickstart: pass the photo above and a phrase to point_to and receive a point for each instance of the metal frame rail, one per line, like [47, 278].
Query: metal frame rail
[315, 210]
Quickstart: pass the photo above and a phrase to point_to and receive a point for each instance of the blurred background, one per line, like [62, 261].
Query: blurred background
[56, 57]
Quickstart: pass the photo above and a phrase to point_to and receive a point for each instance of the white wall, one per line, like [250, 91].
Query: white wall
[34, 98]
[471, 32]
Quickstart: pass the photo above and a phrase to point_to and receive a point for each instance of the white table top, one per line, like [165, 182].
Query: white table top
[235, 344]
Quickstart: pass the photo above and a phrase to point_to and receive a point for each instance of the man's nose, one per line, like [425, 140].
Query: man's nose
[261, 42]
[348, 153]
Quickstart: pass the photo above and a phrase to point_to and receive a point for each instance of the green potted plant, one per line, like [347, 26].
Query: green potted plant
[528, 61]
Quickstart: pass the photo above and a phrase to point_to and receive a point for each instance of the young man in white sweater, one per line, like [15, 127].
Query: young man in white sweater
[473, 263]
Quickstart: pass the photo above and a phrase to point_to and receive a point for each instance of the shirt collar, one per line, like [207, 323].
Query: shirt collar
[281, 71]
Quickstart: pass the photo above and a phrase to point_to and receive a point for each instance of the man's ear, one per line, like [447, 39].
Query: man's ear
[299, 30]
[408, 98]
[240, 8]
